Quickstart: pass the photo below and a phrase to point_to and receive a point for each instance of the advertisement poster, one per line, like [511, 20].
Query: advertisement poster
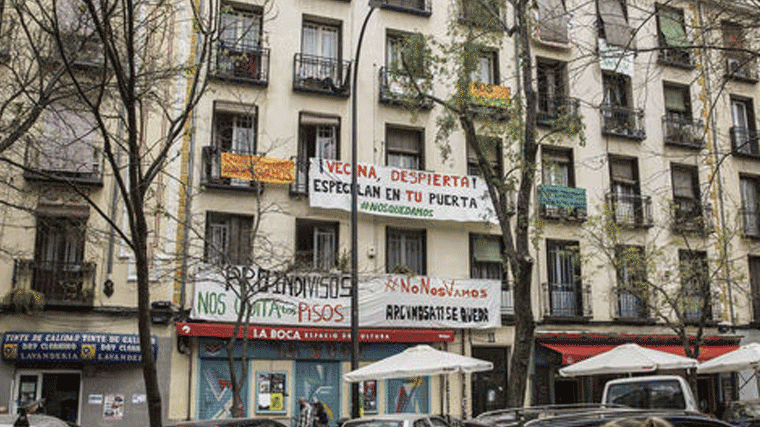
[113, 407]
[323, 300]
[406, 193]
[368, 391]
[271, 392]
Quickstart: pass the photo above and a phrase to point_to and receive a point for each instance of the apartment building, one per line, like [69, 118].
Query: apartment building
[669, 156]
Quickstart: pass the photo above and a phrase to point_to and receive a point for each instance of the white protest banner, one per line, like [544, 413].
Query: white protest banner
[325, 300]
[407, 193]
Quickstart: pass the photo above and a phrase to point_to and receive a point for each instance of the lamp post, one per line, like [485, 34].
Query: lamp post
[355, 400]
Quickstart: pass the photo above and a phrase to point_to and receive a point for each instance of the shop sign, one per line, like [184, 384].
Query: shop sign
[389, 191]
[387, 301]
[81, 347]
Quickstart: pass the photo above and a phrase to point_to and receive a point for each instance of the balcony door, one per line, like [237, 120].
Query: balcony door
[320, 52]
[750, 205]
[626, 205]
[59, 254]
[564, 282]
[318, 138]
[742, 116]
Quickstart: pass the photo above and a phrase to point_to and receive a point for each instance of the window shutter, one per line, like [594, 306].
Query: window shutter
[672, 27]
[553, 21]
[403, 141]
[616, 29]
[683, 183]
[622, 171]
[674, 99]
[486, 249]
[733, 35]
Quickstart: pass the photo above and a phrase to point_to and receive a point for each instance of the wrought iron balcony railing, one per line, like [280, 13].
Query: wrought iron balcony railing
[507, 300]
[300, 185]
[566, 300]
[552, 108]
[416, 7]
[675, 57]
[750, 221]
[744, 142]
[630, 210]
[242, 62]
[319, 74]
[396, 88]
[691, 215]
[211, 158]
[683, 132]
[623, 122]
[63, 284]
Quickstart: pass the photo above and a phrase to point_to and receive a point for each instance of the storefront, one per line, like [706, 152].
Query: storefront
[555, 350]
[82, 377]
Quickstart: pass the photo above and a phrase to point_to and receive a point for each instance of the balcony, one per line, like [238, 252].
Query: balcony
[566, 301]
[550, 109]
[321, 75]
[623, 122]
[630, 210]
[507, 300]
[243, 63]
[64, 284]
[490, 101]
[77, 162]
[750, 221]
[683, 132]
[744, 142]
[562, 203]
[415, 7]
[742, 69]
[630, 308]
[690, 215]
[675, 57]
[211, 158]
[397, 89]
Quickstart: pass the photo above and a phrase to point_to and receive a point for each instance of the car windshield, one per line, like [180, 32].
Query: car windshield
[746, 410]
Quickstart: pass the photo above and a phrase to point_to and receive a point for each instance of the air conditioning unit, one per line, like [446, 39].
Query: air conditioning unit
[734, 67]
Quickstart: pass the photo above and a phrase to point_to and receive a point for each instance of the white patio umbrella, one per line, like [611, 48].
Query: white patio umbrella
[743, 358]
[421, 360]
[627, 358]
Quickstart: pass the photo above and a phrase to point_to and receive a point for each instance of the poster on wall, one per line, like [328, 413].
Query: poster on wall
[368, 391]
[271, 392]
[323, 300]
[113, 407]
[396, 192]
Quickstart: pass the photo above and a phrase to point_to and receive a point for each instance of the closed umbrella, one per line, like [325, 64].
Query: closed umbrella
[628, 358]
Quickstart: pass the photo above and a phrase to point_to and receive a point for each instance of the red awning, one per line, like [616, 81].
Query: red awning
[572, 352]
[289, 333]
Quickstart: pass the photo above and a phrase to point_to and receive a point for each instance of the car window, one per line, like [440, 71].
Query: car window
[421, 423]
[644, 395]
[437, 422]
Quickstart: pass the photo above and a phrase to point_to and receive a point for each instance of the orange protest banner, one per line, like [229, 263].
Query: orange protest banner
[255, 168]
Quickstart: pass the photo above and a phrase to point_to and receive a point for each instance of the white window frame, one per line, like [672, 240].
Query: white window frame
[15, 384]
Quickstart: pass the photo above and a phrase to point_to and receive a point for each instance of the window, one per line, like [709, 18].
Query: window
[754, 280]
[613, 23]
[557, 167]
[404, 148]
[405, 251]
[59, 389]
[743, 132]
[79, 43]
[406, 69]
[316, 245]
[631, 282]
[617, 90]
[487, 70]
[228, 239]
[618, 114]
[553, 21]
[671, 30]
[69, 142]
[486, 261]
[687, 205]
[240, 53]
[320, 51]
[739, 64]
[625, 201]
[481, 13]
[678, 125]
[234, 131]
[492, 149]
[564, 268]
[317, 137]
[695, 284]
[550, 81]
[750, 193]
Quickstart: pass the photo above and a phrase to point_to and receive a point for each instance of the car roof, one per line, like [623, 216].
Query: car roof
[645, 379]
[677, 418]
[230, 422]
[35, 420]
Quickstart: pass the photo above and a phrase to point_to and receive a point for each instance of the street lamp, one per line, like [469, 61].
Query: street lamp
[355, 401]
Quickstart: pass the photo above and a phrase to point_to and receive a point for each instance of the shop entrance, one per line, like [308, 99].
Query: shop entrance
[320, 380]
[60, 391]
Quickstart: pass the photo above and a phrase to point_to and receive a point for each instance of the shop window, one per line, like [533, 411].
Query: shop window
[632, 289]
[695, 285]
[228, 239]
[60, 391]
[553, 21]
[614, 27]
[271, 387]
[750, 211]
[318, 137]
[564, 269]
[673, 42]
[492, 150]
[316, 245]
[404, 148]
[405, 251]
[408, 395]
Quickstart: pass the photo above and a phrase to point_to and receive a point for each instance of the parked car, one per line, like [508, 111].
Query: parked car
[230, 422]
[651, 392]
[743, 413]
[515, 417]
[34, 420]
[398, 420]
[630, 418]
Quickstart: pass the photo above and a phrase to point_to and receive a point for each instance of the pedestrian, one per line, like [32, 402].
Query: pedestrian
[306, 416]
[320, 415]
